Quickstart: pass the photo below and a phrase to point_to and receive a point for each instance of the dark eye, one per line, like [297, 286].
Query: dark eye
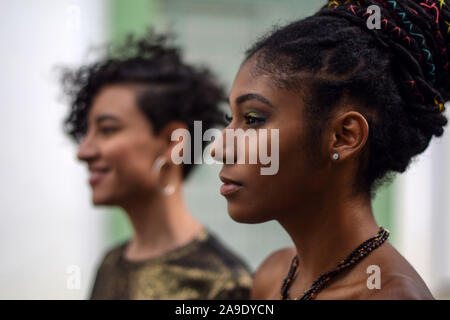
[108, 130]
[251, 118]
[228, 118]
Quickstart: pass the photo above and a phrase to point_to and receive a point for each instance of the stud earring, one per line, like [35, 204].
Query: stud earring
[335, 156]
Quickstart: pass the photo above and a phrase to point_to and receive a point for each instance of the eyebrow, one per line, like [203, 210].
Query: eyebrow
[253, 96]
[104, 117]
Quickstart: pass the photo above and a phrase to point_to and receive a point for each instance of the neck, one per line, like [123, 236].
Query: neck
[160, 223]
[325, 232]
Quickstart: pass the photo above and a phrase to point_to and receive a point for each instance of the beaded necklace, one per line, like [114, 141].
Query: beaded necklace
[355, 256]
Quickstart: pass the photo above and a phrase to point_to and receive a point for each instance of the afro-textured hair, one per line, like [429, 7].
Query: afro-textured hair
[397, 76]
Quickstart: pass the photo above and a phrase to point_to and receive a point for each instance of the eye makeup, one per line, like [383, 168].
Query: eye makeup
[254, 118]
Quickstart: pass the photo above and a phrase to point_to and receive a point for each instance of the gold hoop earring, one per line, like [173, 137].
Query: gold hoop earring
[157, 165]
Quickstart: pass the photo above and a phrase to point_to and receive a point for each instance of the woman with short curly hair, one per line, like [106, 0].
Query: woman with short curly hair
[124, 109]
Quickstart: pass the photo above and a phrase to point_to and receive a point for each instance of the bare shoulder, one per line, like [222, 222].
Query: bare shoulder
[383, 275]
[400, 281]
[268, 278]
[401, 287]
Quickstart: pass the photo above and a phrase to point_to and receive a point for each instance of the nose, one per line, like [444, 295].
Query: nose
[87, 149]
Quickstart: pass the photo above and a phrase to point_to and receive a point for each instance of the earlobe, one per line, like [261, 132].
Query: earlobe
[160, 161]
[350, 135]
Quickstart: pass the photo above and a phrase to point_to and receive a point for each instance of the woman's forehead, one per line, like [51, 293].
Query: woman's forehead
[117, 99]
[249, 81]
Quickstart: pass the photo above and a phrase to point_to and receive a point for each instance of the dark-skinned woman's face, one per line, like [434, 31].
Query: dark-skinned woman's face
[256, 102]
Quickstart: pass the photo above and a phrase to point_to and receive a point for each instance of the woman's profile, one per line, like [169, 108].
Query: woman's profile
[353, 106]
[124, 109]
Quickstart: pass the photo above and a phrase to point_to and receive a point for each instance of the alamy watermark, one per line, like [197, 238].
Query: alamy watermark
[74, 277]
[73, 17]
[241, 146]
[374, 280]
[374, 20]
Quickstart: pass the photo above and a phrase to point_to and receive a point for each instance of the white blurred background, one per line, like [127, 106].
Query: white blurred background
[49, 231]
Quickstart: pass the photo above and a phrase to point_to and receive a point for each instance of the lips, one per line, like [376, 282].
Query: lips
[97, 174]
[229, 186]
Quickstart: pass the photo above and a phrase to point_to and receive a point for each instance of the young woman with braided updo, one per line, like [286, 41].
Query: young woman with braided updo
[353, 106]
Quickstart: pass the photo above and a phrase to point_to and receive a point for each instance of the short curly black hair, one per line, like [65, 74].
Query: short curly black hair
[172, 89]
[397, 76]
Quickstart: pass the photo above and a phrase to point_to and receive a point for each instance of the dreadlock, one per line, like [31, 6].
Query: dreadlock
[397, 76]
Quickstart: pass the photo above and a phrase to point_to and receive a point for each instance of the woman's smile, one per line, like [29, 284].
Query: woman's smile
[97, 175]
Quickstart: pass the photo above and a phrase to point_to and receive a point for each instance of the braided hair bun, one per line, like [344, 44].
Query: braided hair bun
[397, 73]
[419, 31]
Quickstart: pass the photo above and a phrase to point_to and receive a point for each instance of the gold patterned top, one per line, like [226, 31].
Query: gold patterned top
[202, 269]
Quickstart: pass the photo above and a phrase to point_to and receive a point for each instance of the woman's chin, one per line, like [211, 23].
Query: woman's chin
[243, 215]
[102, 200]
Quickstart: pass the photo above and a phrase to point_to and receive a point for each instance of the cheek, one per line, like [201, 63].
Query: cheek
[269, 196]
[130, 161]
[265, 196]
[302, 167]
[295, 175]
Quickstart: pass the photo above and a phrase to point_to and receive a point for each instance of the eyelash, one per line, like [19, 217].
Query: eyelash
[108, 130]
[250, 119]
[228, 118]
[256, 120]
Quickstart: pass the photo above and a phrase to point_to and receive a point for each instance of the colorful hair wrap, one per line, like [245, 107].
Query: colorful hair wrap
[439, 104]
[419, 47]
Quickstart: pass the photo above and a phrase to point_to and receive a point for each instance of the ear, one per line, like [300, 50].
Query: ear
[349, 134]
[165, 136]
